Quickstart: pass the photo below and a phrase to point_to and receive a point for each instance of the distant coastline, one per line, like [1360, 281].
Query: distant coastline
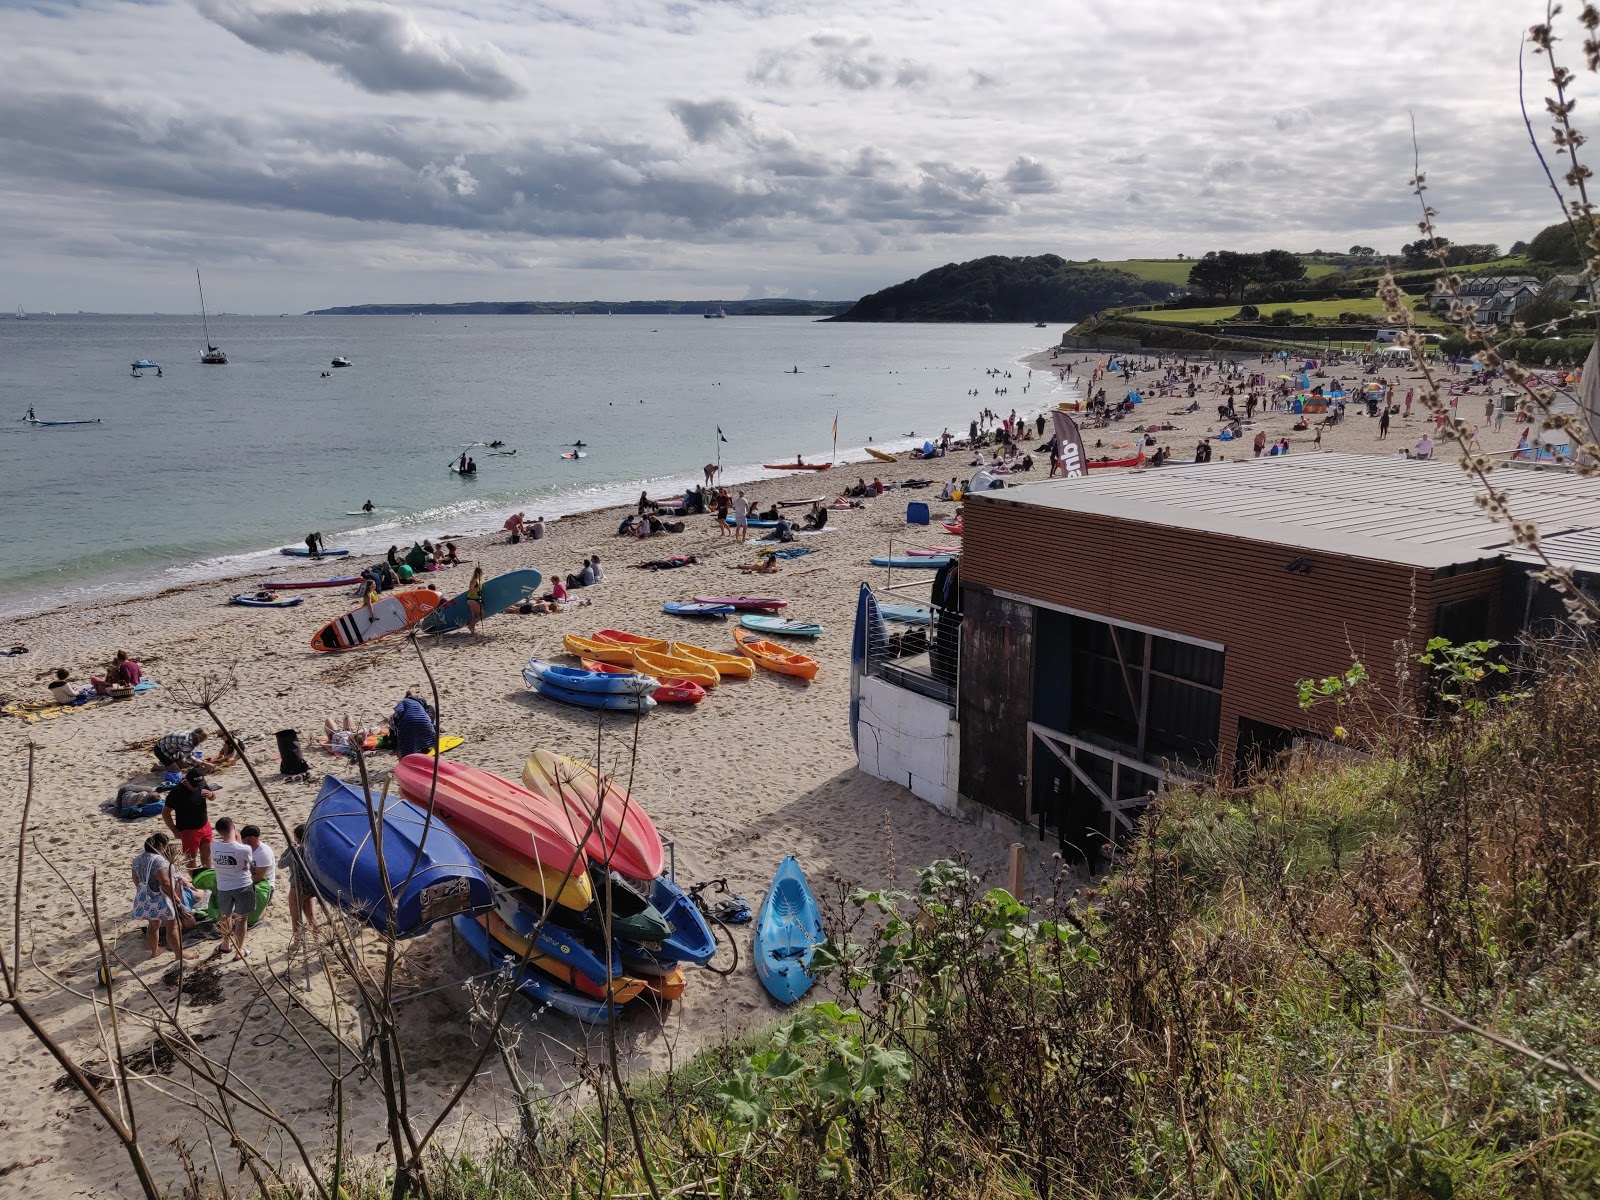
[589, 308]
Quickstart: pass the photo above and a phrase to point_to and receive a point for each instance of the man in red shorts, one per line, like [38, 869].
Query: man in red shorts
[187, 816]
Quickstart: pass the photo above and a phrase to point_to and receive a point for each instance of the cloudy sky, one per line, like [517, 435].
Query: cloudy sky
[317, 152]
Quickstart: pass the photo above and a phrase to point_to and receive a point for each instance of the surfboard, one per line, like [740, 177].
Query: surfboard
[390, 614]
[499, 594]
[302, 552]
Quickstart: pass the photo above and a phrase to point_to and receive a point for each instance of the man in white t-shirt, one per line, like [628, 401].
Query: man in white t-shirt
[263, 861]
[1424, 449]
[741, 516]
[236, 892]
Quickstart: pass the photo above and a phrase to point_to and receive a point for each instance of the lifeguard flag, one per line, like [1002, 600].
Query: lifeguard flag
[1074, 458]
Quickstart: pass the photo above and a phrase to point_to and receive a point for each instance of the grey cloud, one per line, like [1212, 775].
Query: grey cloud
[1028, 176]
[409, 173]
[378, 49]
[843, 59]
[707, 120]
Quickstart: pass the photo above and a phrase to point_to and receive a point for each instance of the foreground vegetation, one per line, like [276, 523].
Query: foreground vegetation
[1366, 978]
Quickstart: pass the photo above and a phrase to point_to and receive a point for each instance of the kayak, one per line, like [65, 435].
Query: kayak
[776, 658]
[624, 836]
[788, 932]
[632, 641]
[499, 594]
[1132, 461]
[669, 985]
[691, 939]
[742, 603]
[669, 691]
[781, 625]
[608, 652]
[556, 951]
[881, 455]
[907, 614]
[285, 585]
[580, 680]
[431, 872]
[633, 918]
[725, 665]
[953, 526]
[671, 666]
[611, 702]
[750, 524]
[511, 830]
[679, 608]
[266, 601]
[797, 466]
[931, 562]
[532, 983]
[44, 424]
[302, 552]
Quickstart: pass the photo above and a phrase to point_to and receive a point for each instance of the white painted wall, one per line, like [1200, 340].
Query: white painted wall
[910, 740]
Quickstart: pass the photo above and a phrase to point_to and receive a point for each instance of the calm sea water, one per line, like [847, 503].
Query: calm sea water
[207, 470]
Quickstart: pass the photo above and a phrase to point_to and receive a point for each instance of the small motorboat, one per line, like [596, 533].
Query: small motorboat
[144, 364]
[341, 361]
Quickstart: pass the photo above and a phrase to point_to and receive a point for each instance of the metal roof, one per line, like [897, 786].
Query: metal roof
[1390, 509]
[1578, 550]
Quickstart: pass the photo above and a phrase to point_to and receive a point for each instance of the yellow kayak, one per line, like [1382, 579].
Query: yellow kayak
[670, 666]
[881, 455]
[606, 652]
[725, 665]
[617, 637]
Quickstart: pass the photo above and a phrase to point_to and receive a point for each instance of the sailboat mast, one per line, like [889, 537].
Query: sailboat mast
[205, 324]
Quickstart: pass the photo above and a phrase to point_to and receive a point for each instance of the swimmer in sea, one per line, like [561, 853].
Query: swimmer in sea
[368, 506]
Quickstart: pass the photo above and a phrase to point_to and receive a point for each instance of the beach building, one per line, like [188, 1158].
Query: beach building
[1124, 631]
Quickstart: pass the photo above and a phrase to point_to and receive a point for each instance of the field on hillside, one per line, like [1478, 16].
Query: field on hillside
[1369, 307]
[1176, 270]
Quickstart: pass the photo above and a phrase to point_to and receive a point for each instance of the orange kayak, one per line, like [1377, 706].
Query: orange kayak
[624, 836]
[508, 828]
[725, 665]
[774, 657]
[670, 666]
[633, 641]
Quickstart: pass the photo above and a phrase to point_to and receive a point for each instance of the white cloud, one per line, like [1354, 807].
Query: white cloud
[323, 150]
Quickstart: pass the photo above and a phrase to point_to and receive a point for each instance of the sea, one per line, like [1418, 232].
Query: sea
[205, 471]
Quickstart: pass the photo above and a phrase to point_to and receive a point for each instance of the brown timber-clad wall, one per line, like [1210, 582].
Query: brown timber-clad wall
[997, 665]
[1276, 627]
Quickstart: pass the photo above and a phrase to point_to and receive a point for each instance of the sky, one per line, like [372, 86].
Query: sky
[310, 153]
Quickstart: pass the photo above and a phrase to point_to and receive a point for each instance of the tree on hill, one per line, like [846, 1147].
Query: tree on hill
[1423, 253]
[1556, 246]
[1227, 273]
[1044, 287]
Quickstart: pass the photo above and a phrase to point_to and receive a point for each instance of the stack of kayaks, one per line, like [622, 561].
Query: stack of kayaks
[619, 692]
[561, 850]
[652, 656]
[774, 657]
[676, 691]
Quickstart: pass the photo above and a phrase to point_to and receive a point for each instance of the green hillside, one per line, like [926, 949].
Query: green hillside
[1176, 270]
[1369, 307]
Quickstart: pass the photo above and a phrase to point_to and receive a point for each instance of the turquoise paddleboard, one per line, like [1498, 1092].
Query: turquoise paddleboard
[499, 594]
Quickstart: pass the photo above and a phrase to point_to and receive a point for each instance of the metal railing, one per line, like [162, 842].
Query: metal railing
[917, 648]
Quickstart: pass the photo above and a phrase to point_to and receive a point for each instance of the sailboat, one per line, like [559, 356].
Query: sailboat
[21, 316]
[213, 356]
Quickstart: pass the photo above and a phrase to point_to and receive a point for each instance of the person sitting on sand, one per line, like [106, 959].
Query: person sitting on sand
[557, 592]
[586, 575]
[626, 527]
[535, 531]
[176, 750]
[121, 672]
[451, 558]
[877, 486]
[771, 514]
[65, 692]
[818, 517]
[393, 557]
[599, 575]
[412, 727]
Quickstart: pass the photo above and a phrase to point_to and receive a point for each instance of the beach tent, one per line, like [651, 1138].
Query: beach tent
[1135, 397]
[982, 481]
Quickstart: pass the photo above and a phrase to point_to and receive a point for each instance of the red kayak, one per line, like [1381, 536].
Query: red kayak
[752, 603]
[953, 526]
[1117, 462]
[284, 586]
[670, 691]
[621, 834]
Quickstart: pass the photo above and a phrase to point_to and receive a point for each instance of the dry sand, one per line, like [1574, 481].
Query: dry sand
[759, 770]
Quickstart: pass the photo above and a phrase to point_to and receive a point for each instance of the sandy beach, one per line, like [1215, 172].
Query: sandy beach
[761, 769]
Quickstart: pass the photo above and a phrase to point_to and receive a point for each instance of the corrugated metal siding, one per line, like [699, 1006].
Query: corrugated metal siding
[1277, 627]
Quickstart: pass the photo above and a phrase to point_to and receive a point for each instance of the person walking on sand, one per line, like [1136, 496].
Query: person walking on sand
[186, 815]
[302, 893]
[741, 517]
[236, 892]
[475, 600]
[720, 505]
[1383, 424]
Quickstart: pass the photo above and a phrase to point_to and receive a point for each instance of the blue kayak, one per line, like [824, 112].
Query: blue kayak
[691, 939]
[267, 600]
[520, 910]
[436, 874]
[781, 625]
[614, 701]
[906, 614]
[752, 523]
[576, 679]
[302, 552]
[931, 562]
[499, 594]
[788, 931]
[690, 608]
[532, 983]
